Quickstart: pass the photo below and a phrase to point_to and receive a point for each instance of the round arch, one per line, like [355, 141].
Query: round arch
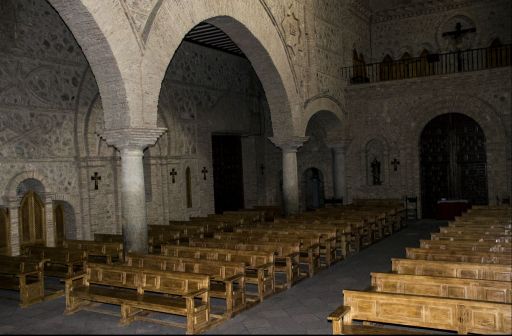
[486, 117]
[330, 109]
[260, 41]
[110, 57]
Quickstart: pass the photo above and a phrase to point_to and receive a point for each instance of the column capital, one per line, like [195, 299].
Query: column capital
[289, 144]
[132, 138]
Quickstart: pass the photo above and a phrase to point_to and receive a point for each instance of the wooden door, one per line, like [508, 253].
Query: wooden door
[32, 220]
[227, 172]
[58, 216]
[453, 162]
[4, 232]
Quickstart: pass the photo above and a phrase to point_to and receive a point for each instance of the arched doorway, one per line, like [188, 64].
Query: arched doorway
[314, 187]
[32, 220]
[453, 161]
[4, 231]
[58, 216]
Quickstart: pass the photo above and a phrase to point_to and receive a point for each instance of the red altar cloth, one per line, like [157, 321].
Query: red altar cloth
[448, 209]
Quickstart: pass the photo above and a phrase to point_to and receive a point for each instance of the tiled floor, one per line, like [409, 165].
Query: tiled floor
[300, 310]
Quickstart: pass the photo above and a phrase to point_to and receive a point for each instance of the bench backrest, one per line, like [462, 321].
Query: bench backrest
[462, 256]
[459, 315]
[452, 269]
[56, 254]
[467, 246]
[216, 269]
[249, 258]
[472, 289]
[167, 282]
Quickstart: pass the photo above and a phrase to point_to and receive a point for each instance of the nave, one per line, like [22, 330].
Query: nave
[301, 309]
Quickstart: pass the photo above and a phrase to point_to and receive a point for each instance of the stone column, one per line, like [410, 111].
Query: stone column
[14, 229]
[338, 171]
[131, 143]
[289, 147]
[50, 223]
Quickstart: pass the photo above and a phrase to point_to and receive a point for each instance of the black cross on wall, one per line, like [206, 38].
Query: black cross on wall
[458, 32]
[395, 164]
[204, 171]
[173, 174]
[96, 178]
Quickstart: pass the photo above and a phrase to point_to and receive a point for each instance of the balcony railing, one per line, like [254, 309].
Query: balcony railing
[430, 65]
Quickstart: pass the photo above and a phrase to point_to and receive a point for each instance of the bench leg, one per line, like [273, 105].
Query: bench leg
[128, 314]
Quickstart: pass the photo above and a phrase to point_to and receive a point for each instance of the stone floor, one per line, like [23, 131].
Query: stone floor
[300, 310]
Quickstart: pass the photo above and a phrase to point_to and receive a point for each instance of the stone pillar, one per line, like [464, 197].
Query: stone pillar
[338, 171]
[131, 143]
[14, 229]
[289, 147]
[50, 223]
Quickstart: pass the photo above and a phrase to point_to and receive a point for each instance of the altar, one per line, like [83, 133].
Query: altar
[448, 209]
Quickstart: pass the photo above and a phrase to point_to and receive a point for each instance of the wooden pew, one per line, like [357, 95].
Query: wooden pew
[259, 265]
[460, 256]
[467, 246]
[475, 231]
[286, 258]
[457, 288]
[23, 274]
[462, 316]
[471, 237]
[452, 269]
[309, 253]
[61, 262]
[104, 251]
[227, 279]
[126, 286]
[108, 238]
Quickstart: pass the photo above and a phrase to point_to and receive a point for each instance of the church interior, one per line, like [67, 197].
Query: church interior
[256, 166]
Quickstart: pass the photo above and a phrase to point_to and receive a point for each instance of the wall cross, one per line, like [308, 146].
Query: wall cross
[96, 178]
[395, 164]
[204, 171]
[173, 174]
[459, 32]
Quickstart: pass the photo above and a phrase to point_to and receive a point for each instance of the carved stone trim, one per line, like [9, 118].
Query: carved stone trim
[289, 144]
[132, 137]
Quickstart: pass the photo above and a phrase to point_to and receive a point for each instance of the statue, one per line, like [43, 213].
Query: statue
[376, 172]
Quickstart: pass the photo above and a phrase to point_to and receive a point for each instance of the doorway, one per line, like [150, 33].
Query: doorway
[314, 188]
[228, 183]
[453, 162]
[32, 220]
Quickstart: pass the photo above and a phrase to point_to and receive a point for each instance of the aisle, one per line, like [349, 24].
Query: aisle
[300, 310]
[303, 308]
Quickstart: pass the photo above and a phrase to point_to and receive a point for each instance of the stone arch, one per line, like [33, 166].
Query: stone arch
[260, 40]
[112, 58]
[11, 191]
[498, 142]
[93, 128]
[328, 108]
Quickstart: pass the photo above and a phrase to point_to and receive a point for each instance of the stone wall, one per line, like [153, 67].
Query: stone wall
[419, 25]
[394, 113]
[41, 72]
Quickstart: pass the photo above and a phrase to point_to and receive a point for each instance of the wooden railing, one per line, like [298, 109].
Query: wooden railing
[429, 65]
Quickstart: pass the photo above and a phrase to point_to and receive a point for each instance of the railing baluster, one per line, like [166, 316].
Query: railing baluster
[452, 62]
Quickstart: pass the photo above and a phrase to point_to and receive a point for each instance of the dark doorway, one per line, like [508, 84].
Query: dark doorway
[228, 179]
[314, 183]
[453, 162]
